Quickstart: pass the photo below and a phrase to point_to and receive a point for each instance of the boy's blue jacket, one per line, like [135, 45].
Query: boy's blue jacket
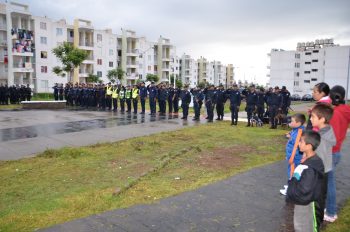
[290, 145]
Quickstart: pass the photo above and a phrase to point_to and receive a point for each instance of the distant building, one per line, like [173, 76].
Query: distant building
[189, 70]
[230, 77]
[309, 64]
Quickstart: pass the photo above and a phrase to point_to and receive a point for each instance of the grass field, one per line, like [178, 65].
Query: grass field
[61, 185]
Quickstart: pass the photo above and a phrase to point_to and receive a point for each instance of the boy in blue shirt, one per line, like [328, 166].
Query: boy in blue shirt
[293, 154]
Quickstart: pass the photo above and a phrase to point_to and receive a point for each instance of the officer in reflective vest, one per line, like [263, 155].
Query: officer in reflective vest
[135, 98]
[128, 98]
[109, 96]
[115, 97]
[122, 98]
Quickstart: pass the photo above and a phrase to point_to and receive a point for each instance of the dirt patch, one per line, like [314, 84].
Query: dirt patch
[221, 158]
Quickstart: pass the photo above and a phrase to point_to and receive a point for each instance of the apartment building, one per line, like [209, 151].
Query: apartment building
[162, 51]
[203, 70]
[230, 76]
[189, 70]
[219, 73]
[311, 63]
[16, 44]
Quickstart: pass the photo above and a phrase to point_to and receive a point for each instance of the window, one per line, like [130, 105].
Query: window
[314, 70]
[43, 40]
[307, 72]
[296, 74]
[307, 62]
[99, 73]
[42, 25]
[296, 83]
[43, 55]
[315, 51]
[111, 52]
[297, 65]
[59, 31]
[306, 81]
[149, 67]
[43, 69]
[297, 55]
[313, 79]
[71, 33]
[99, 61]
[99, 38]
[307, 53]
[315, 61]
[110, 64]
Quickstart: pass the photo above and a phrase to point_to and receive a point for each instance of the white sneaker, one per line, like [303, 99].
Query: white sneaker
[330, 218]
[283, 191]
[285, 186]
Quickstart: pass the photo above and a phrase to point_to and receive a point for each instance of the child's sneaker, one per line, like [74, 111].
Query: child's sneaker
[285, 186]
[330, 218]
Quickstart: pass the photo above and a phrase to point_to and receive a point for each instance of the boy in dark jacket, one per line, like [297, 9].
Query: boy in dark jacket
[306, 188]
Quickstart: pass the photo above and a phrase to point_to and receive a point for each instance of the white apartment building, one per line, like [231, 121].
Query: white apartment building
[162, 51]
[309, 64]
[230, 75]
[219, 73]
[146, 58]
[16, 44]
[189, 70]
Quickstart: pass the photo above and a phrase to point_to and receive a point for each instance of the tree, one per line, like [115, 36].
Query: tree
[152, 77]
[203, 84]
[178, 83]
[70, 58]
[93, 78]
[115, 74]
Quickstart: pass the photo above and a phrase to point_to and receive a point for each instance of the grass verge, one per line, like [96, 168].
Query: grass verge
[70, 183]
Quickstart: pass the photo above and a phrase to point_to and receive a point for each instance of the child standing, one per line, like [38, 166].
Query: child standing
[293, 154]
[306, 188]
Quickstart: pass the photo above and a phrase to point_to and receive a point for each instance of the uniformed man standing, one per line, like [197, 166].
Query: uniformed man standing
[162, 97]
[143, 97]
[185, 101]
[55, 92]
[210, 102]
[109, 96]
[153, 94]
[128, 98]
[198, 98]
[122, 98]
[170, 99]
[251, 99]
[220, 99]
[285, 100]
[274, 104]
[261, 103]
[177, 92]
[60, 92]
[135, 98]
[235, 101]
[115, 98]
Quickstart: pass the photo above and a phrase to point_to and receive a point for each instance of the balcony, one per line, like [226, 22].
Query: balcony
[3, 44]
[132, 52]
[23, 54]
[166, 58]
[23, 67]
[132, 76]
[131, 65]
[3, 27]
[86, 45]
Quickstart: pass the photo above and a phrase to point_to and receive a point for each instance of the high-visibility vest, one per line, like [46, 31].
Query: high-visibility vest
[135, 93]
[128, 94]
[115, 93]
[121, 94]
[109, 90]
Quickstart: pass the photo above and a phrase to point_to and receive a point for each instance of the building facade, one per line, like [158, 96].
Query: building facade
[309, 64]
[189, 70]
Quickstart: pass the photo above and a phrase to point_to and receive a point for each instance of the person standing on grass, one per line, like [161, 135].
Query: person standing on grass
[340, 123]
[143, 97]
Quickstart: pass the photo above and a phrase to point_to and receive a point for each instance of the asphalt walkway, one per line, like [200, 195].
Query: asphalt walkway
[246, 202]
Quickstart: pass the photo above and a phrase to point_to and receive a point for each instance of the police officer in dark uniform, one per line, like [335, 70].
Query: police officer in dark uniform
[285, 100]
[198, 98]
[251, 99]
[220, 99]
[185, 101]
[60, 92]
[143, 96]
[176, 100]
[55, 92]
[153, 94]
[102, 97]
[171, 93]
[121, 95]
[235, 101]
[210, 102]
[261, 103]
[128, 94]
[162, 97]
[274, 104]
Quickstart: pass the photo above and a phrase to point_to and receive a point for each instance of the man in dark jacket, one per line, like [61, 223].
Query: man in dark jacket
[220, 99]
[185, 101]
[306, 188]
[153, 95]
[210, 102]
[251, 99]
[143, 96]
[235, 101]
[198, 98]
[274, 104]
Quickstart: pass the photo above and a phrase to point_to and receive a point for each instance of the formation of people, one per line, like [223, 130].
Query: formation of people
[14, 94]
[263, 105]
[313, 152]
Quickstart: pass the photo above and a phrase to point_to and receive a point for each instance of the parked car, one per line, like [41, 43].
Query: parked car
[295, 97]
[307, 97]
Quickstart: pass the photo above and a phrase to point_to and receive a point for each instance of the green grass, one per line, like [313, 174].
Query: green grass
[10, 107]
[343, 222]
[61, 185]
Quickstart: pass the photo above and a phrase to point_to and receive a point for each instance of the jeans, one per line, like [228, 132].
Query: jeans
[331, 203]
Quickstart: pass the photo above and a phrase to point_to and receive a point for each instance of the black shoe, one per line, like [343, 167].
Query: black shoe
[142, 113]
[248, 125]
[217, 119]
[210, 120]
[207, 118]
[271, 127]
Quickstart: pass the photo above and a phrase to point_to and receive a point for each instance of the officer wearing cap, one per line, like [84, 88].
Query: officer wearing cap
[198, 98]
[285, 100]
[235, 101]
[121, 95]
[210, 102]
[185, 101]
[274, 101]
[135, 98]
[128, 94]
[251, 99]
[143, 97]
[162, 97]
[220, 100]
[153, 94]
[115, 98]
[261, 103]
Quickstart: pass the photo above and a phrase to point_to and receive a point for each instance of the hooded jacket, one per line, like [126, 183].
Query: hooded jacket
[324, 150]
[340, 122]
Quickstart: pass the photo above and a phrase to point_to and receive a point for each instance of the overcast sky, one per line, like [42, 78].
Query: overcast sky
[231, 31]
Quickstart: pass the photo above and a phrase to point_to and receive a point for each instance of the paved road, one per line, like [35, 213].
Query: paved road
[246, 202]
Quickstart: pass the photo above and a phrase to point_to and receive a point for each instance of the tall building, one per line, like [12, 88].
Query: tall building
[230, 76]
[16, 44]
[189, 70]
[162, 51]
[202, 70]
[309, 64]
[219, 73]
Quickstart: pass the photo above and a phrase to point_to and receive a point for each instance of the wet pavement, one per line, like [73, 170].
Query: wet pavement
[29, 132]
[246, 202]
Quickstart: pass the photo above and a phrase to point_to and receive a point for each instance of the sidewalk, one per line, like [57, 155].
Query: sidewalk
[246, 202]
